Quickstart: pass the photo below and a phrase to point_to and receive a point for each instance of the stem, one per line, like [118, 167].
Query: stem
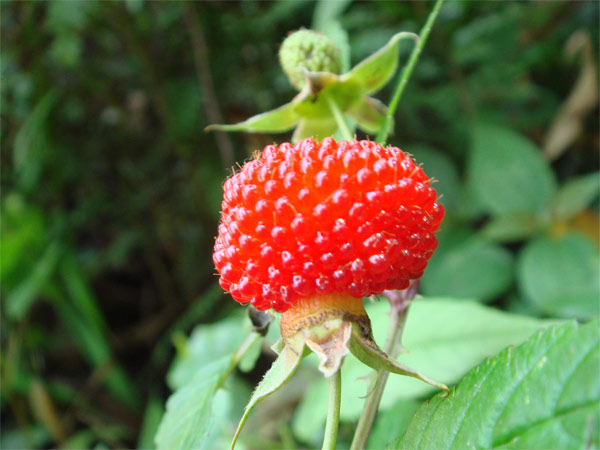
[407, 72]
[365, 423]
[339, 119]
[333, 411]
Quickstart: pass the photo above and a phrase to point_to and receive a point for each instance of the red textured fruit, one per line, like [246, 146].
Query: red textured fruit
[351, 217]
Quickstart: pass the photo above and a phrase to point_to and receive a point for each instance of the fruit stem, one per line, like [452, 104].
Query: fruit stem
[333, 411]
[407, 72]
[340, 119]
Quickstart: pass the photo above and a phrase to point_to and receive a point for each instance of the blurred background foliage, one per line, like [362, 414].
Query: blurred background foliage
[111, 192]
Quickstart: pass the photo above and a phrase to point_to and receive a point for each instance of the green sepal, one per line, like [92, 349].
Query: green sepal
[367, 351]
[376, 70]
[369, 114]
[277, 120]
[317, 128]
[278, 346]
[280, 372]
[329, 341]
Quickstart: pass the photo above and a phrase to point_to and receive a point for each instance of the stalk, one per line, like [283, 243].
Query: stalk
[333, 411]
[407, 72]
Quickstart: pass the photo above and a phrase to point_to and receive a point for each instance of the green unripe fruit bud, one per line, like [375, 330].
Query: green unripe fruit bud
[307, 49]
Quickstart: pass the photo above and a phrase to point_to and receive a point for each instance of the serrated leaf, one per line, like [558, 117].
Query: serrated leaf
[444, 337]
[575, 195]
[282, 369]
[471, 268]
[189, 419]
[377, 69]
[206, 343]
[507, 172]
[561, 276]
[277, 120]
[511, 227]
[543, 394]
[391, 423]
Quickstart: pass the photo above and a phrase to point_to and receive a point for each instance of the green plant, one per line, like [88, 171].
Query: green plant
[329, 324]
[111, 194]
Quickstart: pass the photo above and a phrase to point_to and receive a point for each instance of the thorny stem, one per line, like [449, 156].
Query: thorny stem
[339, 119]
[333, 411]
[393, 346]
[407, 72]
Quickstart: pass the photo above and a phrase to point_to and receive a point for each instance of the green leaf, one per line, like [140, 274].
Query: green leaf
[280, 372]
[94, 347]
[189, 419]
[507, 172]
[542, 394]
[470, 268]
[152, 416]
[392, 423]
[511, 227]
[444, 337]
[277, 120]
[575, 195]
[377, 69]
[206, 343]
[22, 297]
[561, 276]
[439, 166]
[32, 143]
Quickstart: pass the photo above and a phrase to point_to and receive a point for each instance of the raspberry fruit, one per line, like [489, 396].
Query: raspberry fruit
[318, 220]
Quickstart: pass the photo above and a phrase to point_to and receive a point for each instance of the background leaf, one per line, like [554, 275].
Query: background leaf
[440, 166]
[508, 172]
[189, 419]
[543, 394]
[575, 195]
[469, 268]
[561, 276]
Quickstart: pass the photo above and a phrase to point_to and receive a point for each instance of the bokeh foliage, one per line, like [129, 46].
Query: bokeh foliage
[111, 191]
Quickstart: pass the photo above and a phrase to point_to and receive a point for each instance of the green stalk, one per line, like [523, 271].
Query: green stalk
[407, 72]
[377, 385]
[340, 119]
[333, 411]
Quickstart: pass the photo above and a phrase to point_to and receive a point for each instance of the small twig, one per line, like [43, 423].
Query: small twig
[201, 61]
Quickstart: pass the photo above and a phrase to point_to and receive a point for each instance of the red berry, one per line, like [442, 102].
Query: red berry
[350, 217]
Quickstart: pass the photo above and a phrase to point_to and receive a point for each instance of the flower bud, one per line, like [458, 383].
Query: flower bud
[308, 50]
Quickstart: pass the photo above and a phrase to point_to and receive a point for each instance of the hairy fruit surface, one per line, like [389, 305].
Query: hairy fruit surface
[308, 50]
[346, 217]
